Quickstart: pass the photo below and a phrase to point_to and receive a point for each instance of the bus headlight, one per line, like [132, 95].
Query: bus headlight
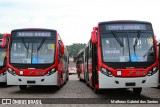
[153, 71]
[51, 72]
[12, 72]
[106, 72]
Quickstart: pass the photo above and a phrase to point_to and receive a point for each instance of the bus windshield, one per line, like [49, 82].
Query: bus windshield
[127, 47]
[2, 56]
[32, 51]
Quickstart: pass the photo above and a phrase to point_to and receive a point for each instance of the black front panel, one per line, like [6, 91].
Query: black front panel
[32, 48]
[127, 44]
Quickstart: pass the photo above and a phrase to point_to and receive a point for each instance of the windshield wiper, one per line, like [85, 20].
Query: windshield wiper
[25, 44]
[27, 47]
[42, 42]
[118, 40]
[136, 41]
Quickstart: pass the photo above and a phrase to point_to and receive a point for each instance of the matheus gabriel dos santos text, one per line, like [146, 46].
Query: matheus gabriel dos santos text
[135, 101]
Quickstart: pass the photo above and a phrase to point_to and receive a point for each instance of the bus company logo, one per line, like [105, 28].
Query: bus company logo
[30, 73]
[130, 73]
[6, 101]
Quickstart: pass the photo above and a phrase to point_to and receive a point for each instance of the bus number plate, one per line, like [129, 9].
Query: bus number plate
[130, 84]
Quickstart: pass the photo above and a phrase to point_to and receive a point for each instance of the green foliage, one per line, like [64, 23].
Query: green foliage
[75, 48]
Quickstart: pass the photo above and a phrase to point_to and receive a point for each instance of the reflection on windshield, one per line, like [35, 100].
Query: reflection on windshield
[2, 56]
[114, 51]
[32, 51]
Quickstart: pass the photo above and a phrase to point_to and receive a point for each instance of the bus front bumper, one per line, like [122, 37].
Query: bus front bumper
[28, 80]
[136, 82]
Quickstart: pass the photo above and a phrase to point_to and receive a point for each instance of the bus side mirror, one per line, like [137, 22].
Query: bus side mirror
[3, 40]
[93, 37]
[62, 49]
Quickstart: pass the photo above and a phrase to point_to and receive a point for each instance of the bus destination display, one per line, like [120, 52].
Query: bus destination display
[126, 27]
[33, 34]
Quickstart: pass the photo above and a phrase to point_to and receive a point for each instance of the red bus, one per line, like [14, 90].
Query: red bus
[36, 57]
[66, 61]
[122, 54]
[80, 65]
[158, 46]
[3, 52]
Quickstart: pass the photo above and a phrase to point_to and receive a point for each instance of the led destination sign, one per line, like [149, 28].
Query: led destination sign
[33, 34]
[126, 27]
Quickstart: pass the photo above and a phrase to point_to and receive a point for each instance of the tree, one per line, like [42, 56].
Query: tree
[75, 48]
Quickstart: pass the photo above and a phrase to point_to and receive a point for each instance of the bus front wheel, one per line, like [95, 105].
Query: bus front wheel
[97, 91]
[22, 87]
[58, 87]
[87, 79]
[137, 91]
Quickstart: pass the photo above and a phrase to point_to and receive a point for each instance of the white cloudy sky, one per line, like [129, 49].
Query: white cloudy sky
[74, 19]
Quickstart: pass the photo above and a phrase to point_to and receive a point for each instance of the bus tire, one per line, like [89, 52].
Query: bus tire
[84, 77]
[87, 79]
[97, 91]
[65, 82]
[4, 84]
[67, 78]
[22, 87]
[80, 79]
[58, 87]
[137, 91]
[87, 83]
